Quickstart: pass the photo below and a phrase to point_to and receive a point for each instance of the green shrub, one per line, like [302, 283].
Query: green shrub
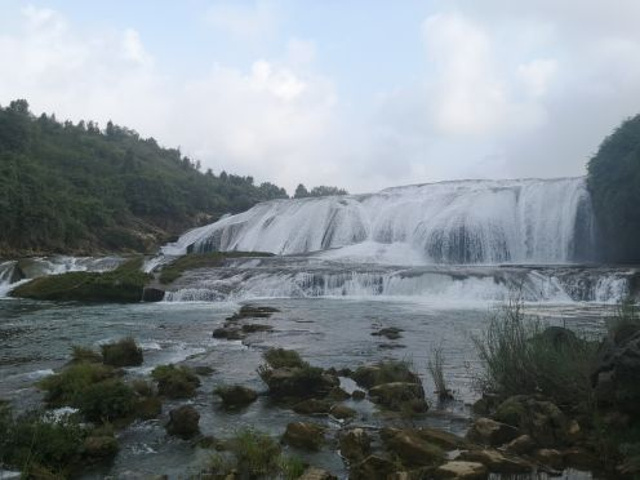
[107, 401]
[519, 358]
[64, 388]
[175, 382]
[281, 358]
[33, 443]
[84, 355]
[123, 353]
[256, 455]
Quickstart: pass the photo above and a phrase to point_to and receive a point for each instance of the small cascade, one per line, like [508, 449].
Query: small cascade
[464, 222]
[302, 277]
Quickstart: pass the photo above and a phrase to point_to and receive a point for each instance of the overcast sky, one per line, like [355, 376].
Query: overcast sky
[362, 94]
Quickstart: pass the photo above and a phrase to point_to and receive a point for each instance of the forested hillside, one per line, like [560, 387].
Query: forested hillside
[614, 182]
[68, 187]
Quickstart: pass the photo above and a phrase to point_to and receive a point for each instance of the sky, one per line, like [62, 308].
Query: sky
[360, 94]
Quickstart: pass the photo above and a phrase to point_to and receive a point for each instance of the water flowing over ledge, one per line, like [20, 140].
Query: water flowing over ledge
[462, 222]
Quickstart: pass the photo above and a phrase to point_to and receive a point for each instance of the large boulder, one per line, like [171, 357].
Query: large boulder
[355, 444]
[539, 418]
[496, 461]
[313, 406]
[152, 294]
[397, 394]
[236, 396]
[373, 467]
[183, 422]
[489, 432]
[461, 470]
[306, 436]
[298, 382]
[616, 376]
[411, 448]
[369, 376]
[443, 439]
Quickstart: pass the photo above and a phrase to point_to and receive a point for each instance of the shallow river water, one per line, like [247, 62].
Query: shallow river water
[35, 339]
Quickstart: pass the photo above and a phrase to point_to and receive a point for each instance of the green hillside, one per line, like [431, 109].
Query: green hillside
[68, 187]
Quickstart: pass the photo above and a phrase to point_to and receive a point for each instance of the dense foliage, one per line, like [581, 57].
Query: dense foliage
[74, 187]
[614, 182]
[319, 191]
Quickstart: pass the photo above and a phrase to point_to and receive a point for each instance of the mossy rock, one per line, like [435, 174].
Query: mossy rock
[122, 285]
[191, 261]
[175, 381]
[122, 353]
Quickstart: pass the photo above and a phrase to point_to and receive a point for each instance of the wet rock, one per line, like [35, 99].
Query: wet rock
[394, 395]
[392, 333]
[550, 458]
[413, 450]
[445, 440]
[313, 406]
[615, 377]
[580, 459]
[338, 394]
[358, 395]
[298, 382]
[183, 422]
[236, 395]
[461, 470]
[255, 327]
[485, 405]
[355, 444]
[151, 294]
[521, 445]
[313, 473]
[203, 370]
[229, 333]
[373, 467]
[558, 337]
[307, 436]
[497, 462]
[342, 412]
[489, 432]
[369, 376]
[541, 419]
[253, 311]
[99, 447]
[148, 408]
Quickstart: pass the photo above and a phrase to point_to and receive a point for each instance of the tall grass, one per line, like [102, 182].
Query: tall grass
[435, 365]
[519, 358]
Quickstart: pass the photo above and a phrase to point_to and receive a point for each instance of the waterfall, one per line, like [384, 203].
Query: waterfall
[461, 222]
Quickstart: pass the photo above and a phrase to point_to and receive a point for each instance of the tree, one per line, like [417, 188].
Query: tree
[301, 192]
[614, 183]
[323, 191]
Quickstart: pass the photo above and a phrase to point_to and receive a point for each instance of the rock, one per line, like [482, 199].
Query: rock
[358, 395]
[411, 448]
[228, 333]
[521, 445]
[338, 394]
[541, 419]
[392, 333]
[489, 432]
[313, 406]
[151, 294]
[148, 408]
[394, 395]
[183, 422]
[342, 412]
[203, 370]
[236, 396]
[100, 447]
[485, 405]
[307, 436]
[615, 377]
[373, 467]
[580, 459]
[550, 458]
[497, 462]
[298, 382]
[558, 337]
[253, 311]
[256, 327]
[355, 444]
[369, 376]
[313, 473]
[461, 470]
[445, 440]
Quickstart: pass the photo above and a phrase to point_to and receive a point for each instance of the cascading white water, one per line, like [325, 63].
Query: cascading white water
[463, 222]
